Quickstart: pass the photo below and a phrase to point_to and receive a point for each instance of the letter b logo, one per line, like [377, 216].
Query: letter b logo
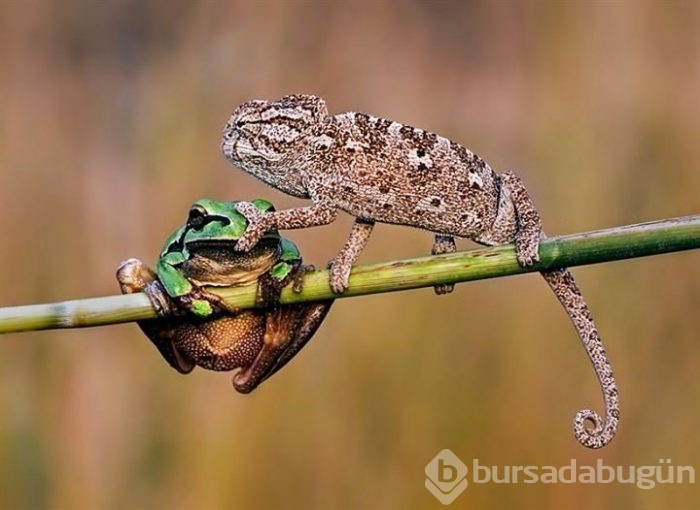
[446, 477]
[443, 468]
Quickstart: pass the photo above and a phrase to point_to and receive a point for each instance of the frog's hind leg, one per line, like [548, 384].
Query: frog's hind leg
[278, 323]
[313, 315]
[288, 329]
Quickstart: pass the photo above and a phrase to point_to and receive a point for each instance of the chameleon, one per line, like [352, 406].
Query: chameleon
[379, 170]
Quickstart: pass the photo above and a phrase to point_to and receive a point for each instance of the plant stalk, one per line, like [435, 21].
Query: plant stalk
[619, 243]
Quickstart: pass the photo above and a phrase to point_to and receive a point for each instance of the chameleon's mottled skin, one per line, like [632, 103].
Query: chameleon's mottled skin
[381, 171]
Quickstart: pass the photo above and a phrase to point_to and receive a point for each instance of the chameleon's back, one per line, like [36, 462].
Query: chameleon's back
[380, 169]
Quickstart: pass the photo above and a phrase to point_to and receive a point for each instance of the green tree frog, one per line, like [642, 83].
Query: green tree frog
[195, 327]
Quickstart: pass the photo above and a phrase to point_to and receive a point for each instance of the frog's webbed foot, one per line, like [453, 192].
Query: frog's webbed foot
[270, 287]
[133, 277]
[204, 303]
[288, 328]
[313, 316]
[443, 244]
[298, 277]
[269, 290]
[274, 340]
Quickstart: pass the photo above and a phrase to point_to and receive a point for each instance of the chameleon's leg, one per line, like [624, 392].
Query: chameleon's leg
[342, 263]
[443, 244]
[562, 282]
[529, 227]
[260, 222]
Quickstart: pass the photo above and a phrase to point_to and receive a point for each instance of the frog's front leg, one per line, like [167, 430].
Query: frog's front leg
[188, 296]
[204, 304]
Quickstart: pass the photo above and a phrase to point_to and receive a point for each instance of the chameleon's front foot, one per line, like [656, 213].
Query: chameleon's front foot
[257, 226]
[339, 269]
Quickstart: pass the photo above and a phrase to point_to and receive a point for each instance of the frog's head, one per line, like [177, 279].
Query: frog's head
[203, 250]
[215, 220]
[263, 136]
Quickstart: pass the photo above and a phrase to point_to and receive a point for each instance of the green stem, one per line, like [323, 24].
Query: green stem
[618, 243]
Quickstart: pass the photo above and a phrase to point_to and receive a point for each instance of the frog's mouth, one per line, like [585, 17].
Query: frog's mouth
[218, 264]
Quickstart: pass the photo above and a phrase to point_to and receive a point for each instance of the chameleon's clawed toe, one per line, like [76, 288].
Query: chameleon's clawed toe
[340, 276]
[526, 252]
[444, 288]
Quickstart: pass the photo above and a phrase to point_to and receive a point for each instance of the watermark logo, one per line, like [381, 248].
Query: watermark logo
[446, 477]
[447, 474]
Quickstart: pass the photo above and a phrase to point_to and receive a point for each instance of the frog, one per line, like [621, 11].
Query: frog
[194, 326]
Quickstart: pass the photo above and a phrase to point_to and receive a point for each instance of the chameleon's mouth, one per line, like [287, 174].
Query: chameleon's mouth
[228, 147]
[240, 149]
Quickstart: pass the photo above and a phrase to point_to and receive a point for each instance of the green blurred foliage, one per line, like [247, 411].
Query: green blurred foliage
[111, 114]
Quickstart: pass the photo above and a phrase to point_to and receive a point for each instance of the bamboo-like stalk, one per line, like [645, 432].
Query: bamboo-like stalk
[618, 243]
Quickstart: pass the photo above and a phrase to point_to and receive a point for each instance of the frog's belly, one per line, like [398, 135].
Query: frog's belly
[228, 342]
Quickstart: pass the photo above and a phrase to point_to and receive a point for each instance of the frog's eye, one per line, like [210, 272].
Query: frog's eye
[197, 217]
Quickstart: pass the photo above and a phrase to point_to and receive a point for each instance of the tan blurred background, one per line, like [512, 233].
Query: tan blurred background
[111, 114]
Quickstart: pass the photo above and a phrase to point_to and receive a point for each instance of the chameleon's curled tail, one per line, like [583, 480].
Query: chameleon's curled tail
[601, 433]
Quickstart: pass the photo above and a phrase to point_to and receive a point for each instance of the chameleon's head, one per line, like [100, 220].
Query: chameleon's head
[261, 134]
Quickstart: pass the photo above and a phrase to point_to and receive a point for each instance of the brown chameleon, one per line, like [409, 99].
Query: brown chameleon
[378, 170]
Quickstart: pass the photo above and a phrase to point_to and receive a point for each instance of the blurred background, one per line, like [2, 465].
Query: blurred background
[111, 114]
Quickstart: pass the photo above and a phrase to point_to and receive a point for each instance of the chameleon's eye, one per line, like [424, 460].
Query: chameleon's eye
[240, 124]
